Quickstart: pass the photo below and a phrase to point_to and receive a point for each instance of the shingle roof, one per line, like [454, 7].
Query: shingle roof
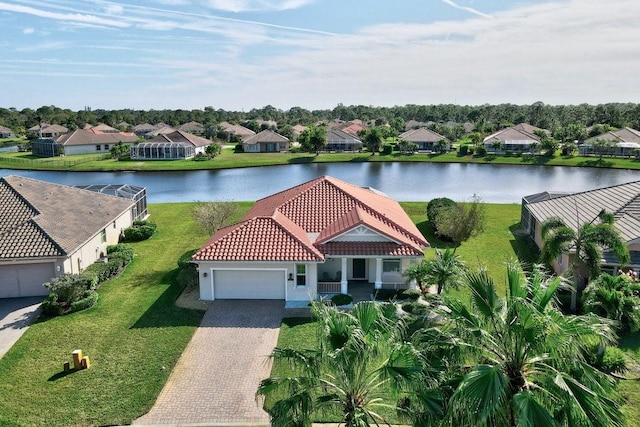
[266, 135]
[312, 214]
[421, 135]
[178, 136]
[625, 134]
[336, 135]
[40, 219]
[512, 134]
[575, 209]
[92, 136]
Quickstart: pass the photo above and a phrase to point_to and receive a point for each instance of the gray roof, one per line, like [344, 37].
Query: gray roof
[181, 137]
[545, 195]
[512, 134]
[625, 134]
[41, 219]
[336, 135]
[421, 135]
[265, 136]
[91, 137]
[575, 209]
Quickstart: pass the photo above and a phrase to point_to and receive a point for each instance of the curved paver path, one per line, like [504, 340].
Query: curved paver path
[216, 378]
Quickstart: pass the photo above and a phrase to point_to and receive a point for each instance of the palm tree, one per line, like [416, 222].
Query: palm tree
[445, 270]
[372, 140]
[522, 359]
[417, 271]
[360, 363]
[614, 297]
[586, 243]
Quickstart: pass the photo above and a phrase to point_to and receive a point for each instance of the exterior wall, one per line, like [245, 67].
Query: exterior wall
[72, 150]
[292, 293]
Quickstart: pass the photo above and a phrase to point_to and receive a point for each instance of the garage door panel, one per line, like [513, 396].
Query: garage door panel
[25, 280]
[249, 284]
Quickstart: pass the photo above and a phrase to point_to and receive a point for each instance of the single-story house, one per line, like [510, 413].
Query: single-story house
[161, 130]
[314, 238]
[143, 129]
[90, 141]
[624, 142]
[266, 141]
[104, 128]
[45, 130]
[192, 127]
[520, 138]
[234, 131]
[338, 140]
[176, 145]
[426, 139]
[575, 209]
[47, 230]
[5, 132]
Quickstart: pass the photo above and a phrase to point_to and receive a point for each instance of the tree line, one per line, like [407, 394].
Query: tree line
[485, 118]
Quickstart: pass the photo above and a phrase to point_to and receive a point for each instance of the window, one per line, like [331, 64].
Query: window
[391, 266]
[106, 147]
[98, 147]
[301, 275]
[103, 235]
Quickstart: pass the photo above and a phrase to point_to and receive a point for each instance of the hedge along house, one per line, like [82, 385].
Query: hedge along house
[176, 145]
[314, 238]
[47, 230]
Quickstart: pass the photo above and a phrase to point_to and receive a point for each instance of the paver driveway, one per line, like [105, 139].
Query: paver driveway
[215, 380]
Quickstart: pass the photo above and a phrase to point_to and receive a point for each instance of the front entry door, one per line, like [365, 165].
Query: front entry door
[359, 268]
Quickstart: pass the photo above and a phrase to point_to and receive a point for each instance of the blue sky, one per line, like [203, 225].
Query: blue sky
[243, 54]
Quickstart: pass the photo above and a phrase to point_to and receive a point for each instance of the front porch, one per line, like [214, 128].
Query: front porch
[360, 290]
[339, 275]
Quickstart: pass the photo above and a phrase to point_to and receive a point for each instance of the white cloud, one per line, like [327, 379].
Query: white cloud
[28, 30]
[239, 6]
[71, 17]
[114, 9]
[467, 9]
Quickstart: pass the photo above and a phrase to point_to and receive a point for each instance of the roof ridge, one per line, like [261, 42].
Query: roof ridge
[590, 191]
[622, 211]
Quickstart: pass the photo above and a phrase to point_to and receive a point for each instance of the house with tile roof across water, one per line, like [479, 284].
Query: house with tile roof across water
[623, 201]
[266, 141]
[518, 139]
[426, 139]
[175, 145]
[47, 230]
[318, 237]
[623, 142]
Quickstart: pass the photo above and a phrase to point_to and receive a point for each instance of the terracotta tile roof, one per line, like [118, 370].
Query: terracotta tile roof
[369, 249]
[44, 219]
[92, 136]
[316, 212]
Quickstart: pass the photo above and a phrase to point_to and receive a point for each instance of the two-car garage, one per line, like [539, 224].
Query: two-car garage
[248, 283]
[25, 280]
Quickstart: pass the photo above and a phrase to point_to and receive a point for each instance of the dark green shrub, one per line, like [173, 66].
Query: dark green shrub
[610, 361]
[508, 153]
[415, 308]
[481, 151]
[341, 299]
[387, 149]
[188, 278]
[435, 205]
[69, 287]
[100, 269]
[141, 230]
[89, 300]
[385, 294]
[463, 150]
[185, 258]
[121, 250]
[409, 294]
[50, 306]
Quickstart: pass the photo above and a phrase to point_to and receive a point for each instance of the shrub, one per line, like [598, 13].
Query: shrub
[481, 151]
[120, 250]
[410, 294]
[188, 278]
[185, 258]
[508, 153]
[610, 360]
[434, 207]
[69, 287]
[141, 230]
[415, 308]
[51, 307]
[387, 149]
[341, 299]
[463, 150]
[89, 300]
[100, 270]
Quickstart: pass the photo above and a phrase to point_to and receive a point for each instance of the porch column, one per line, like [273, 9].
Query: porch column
[378, 283]
[343, 277]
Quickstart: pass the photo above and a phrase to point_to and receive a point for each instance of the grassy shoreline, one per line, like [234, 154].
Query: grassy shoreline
[229, 160]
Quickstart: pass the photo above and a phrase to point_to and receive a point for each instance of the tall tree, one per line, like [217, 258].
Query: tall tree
[614, 297]
[313, 138]
[372, 140]
[585, 244]
[522, 362]
[360, 356]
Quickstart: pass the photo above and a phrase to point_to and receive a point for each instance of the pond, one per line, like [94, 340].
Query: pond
[402, 181]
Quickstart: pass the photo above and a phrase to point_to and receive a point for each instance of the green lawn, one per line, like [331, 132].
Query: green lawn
[228, 159]
[133, 337]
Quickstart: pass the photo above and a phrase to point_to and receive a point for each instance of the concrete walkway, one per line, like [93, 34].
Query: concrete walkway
[215, 380]
[16, 314]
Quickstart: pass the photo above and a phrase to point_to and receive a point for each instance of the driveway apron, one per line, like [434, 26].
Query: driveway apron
[16, 314]
[216, 378]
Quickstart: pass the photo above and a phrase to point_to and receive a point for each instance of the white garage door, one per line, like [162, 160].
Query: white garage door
[248, 284]
[25, 280]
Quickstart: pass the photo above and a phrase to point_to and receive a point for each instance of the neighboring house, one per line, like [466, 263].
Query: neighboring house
[576, 209]
[310, 239]
[160, 130]
[192, 127]
[5, 132]
[298, 129]
[143, 129]
[105, 128]
[47, 230]
[266, 141]
[338, 140]
[518, 139]
[426, 139]
[45, 130]
[414, 124]
[624, 142]
[238, 131]
[177, 145]
[353, 128]
[91, 141]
